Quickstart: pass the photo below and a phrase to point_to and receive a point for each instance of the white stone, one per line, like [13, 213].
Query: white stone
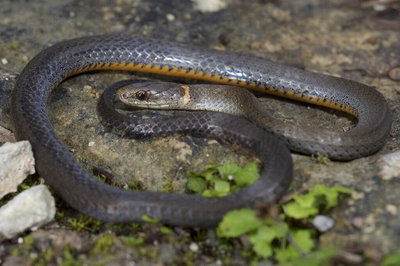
[30, 209]
[170, 17]
[323, 223]
[194, 247]
[209, 5]
[16, 163]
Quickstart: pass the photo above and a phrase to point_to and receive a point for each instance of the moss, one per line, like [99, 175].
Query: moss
[136, 185]
[131, 241]
[45, 258]
[68, 258]
[29, 182]
[188, 258]
[168, 185]
[24, 249]
[103, 244]
[84, 223]
[147, 252]
[320, 158]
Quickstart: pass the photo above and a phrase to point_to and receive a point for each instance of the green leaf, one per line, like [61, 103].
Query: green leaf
[295, 210]
[331, 194]
[261, 241]
[196, 184]
[286, 254]
[392, 260]
[166, 230]
[132, 241]
[208, 193]
[280, 229]
[210, 173]
[222, 187]
[262, 249]
[227, 170]
[308, 200]
[238, 222]
[304, 206]
[149, 219]
[317, 258]
[247, 175]
[303, 239]
[207, 174]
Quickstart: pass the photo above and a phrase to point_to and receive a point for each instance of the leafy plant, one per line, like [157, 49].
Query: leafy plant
[392, 260]
[220, 180]
[319, 199]
[280, 238]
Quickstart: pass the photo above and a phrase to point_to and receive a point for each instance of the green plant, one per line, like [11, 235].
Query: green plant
[220, 180]
[131, 241]
[281, 239]
[391, 260]
[103, 245]
[84, 223]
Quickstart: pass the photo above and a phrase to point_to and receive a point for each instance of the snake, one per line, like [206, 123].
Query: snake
[236, 101]
[84, 192]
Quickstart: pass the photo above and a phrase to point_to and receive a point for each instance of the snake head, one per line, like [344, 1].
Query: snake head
[153, 95]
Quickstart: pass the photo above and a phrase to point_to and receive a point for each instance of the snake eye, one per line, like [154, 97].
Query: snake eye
[141, 95]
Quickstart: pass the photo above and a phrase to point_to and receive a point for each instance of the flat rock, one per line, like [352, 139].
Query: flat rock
[30, 209]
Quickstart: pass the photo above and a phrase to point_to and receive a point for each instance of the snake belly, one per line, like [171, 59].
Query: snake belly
[121, 52]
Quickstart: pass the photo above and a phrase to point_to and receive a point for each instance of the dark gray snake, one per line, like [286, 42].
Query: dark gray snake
[236, 101]
[119, 52]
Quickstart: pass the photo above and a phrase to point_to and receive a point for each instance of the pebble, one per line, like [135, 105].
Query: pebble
[170, 17]
[194, 247]
[323, 223]
[30, 209]
[394, 73]
[4, 61]
[16, 163]
[209, 6]
[358, 222]
[390, 165]
[392, 209]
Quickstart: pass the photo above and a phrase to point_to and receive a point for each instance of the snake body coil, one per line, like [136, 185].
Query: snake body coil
[109, 52]
[236, 101]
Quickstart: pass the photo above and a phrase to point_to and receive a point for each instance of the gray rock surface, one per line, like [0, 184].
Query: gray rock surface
[6, 135]
[16, 163]
[390, 166]
[30, 209]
